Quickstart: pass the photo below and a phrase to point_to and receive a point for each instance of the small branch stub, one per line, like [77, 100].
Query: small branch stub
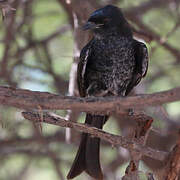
[141, 132]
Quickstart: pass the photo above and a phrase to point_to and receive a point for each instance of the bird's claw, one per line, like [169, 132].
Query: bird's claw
[130, 112]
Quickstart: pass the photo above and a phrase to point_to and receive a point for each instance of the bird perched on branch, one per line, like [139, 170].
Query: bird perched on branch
[111, 64]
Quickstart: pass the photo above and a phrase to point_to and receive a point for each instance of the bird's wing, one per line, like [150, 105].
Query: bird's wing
[84, 57]
[141, 67]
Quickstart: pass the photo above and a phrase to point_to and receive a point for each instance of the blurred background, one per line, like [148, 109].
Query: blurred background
[40, 43]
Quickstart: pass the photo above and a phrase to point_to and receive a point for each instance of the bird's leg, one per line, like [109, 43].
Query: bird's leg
[95, 89]
[130, 112]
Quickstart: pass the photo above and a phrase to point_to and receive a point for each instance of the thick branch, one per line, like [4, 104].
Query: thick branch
[111, 138]
[26, 99]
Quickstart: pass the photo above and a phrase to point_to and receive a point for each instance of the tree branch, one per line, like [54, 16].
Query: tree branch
[26, 99]
[145, 6]
[115, 140]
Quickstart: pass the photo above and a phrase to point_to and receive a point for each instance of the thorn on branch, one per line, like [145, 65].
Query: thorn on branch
[143, 125]
[131, 168]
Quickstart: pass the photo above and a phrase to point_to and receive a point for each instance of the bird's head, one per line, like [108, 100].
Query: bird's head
[105, 19]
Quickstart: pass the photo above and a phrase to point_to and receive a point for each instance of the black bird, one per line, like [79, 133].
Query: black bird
[111, 64]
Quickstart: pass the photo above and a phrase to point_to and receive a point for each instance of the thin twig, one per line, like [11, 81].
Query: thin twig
[115, 140]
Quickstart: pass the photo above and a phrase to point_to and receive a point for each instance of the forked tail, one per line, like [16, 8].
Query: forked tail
[87, 157]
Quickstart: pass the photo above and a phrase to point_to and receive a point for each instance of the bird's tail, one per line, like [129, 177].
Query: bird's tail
[87, 157]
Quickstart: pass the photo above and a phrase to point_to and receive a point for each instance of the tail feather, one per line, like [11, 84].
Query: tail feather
[87, 157]
[93, 167]
[79, 163]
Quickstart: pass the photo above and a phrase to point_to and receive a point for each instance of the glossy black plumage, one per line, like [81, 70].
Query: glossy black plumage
[111, 64]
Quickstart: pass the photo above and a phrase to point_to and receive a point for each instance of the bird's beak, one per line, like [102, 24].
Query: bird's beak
[89, 25]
